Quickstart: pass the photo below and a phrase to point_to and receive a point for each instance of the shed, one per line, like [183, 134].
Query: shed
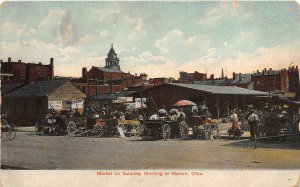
[219, 99]
[31, 102]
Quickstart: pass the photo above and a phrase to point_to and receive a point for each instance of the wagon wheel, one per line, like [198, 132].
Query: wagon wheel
[71, 128]
[36, 128]
[217, 131]
[122, 126]
[11, 132]
[138, 129]
[144, 132]
[207, 132]
[99, 130]
[183, 129]
[261, 130]
[166, 131]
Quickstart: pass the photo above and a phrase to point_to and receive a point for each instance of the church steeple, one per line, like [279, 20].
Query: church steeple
[222, 74]
[112, 60]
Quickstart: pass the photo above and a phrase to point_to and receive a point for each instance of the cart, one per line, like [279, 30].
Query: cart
[275, 124]
[197, 124]
[93, 127]
[156, 129]
[130, 127]
[200, 127]
[9, 129]
[52, 124]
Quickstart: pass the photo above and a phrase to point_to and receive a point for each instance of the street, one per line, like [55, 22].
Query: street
[30, 151]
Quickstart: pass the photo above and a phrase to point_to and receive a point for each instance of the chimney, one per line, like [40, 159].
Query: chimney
[19, 61]
[84, 73]
[233, 75]
[212, 76]
[51, 71]
[9, 59]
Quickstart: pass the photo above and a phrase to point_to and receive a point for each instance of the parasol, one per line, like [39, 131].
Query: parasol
[184, 103]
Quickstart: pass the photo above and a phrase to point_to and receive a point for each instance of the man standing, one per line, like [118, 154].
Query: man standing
[253, 122]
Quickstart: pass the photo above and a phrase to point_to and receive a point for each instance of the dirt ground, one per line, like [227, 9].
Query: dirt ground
[30, 151]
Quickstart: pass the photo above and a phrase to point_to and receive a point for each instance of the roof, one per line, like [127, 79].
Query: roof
[218, 82]
[112, 96]
[110, 70]
[6, 88]
[39, 88]
[226, 90]
[242, 79]
[126, 93]
[106, 96]
[267, 72]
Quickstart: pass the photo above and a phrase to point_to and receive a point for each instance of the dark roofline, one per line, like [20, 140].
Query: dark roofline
[188, 86]
[29, 86]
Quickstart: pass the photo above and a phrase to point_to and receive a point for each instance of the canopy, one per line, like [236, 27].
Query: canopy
[185, 103]
[136, 105]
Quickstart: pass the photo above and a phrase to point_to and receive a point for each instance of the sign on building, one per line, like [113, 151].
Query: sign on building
[56, 105]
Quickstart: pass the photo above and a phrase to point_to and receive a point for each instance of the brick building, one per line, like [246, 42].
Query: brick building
[25, 72]
[286, 80]
[29, 103]
[108, 79]
[185, 77]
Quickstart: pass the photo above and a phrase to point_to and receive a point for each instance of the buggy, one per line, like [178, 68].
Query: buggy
[9, 129]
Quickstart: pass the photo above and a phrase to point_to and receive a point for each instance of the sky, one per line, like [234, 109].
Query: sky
[157, 38]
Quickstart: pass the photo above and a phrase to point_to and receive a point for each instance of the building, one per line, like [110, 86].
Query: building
[284, 80]
[107, 79]
[275, 81]
[222, 81]
[25, 72]
[161, 80]
[185, 77]
[242, 80]
[31, 102]
[220, 100]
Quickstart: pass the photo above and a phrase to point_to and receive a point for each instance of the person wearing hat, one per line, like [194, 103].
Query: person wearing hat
[253, 123]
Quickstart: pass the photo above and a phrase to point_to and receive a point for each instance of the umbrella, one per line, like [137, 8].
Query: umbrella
[136, 105]
[185, 103]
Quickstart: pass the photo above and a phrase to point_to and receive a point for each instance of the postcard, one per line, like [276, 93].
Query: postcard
[142, 93]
